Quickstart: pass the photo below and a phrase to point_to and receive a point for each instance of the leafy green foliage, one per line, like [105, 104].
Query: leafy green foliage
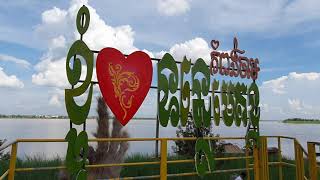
[187, 148]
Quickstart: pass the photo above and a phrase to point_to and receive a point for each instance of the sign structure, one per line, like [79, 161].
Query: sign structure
[124, 81]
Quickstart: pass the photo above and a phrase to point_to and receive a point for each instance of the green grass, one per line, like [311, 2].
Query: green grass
[147, 170]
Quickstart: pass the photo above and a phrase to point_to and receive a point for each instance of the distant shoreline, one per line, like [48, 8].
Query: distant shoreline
[23, 116]
[301, 121]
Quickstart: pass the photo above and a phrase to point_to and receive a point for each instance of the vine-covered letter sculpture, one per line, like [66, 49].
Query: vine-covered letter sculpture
[78, 144]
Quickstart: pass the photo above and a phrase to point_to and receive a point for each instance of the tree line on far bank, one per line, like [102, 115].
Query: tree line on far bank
[300, 120]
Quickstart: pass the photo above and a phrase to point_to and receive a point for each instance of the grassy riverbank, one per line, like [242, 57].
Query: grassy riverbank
[146, 170]
[33, 162]
[301, 121]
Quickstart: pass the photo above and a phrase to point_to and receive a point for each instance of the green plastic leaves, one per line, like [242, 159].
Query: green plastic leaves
[235, 103]
[240, 105]
[185, 91]
[253, 135]
[78, 114]
[228, 103]
[166, 85]
[77, 154]
[201, 116]
[253, 94]
[216, 103]
[252, 138]
[78, 144]
[83, 20]
[204, 157]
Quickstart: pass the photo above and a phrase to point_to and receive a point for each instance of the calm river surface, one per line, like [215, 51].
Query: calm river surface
[12, 129]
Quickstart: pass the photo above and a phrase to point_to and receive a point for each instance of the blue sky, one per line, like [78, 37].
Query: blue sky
[283, 34]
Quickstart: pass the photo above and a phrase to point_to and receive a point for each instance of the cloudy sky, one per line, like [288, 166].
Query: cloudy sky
[284, 34]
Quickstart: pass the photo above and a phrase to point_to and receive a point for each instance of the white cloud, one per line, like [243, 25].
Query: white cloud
[280, 85]
[57, 97]
[100, 35]
[260, 16]
[305, 76]
[58, 30]
[277, 86]
[220, 17]
[300, 11]
[54, 101]
[293, 95]
[192, 49]
[264, 107]
[301, 108]
[10, 81]
[54, 16]
[21, 62]
[51, 68]
[295, 104]
[58, 42]
[173, 7]
[51, 73]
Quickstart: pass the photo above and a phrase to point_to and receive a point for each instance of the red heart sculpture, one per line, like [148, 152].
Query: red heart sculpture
[124, 81]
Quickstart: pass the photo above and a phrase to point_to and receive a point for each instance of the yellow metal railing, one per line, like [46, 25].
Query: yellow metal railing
[314, 168]
[280, 159]
[299, 161]
[259, 156]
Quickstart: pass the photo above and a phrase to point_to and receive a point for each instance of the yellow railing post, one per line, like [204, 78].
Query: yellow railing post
[163, 160]
[263, 157]
[13, 159]
[247, 163]
[280, 159]
[299, 161]
[312, 161]
[256, 163]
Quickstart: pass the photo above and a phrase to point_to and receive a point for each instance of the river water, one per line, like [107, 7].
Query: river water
[12, 129]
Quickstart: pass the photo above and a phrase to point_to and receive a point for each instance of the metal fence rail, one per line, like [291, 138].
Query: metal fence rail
[260, 166]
